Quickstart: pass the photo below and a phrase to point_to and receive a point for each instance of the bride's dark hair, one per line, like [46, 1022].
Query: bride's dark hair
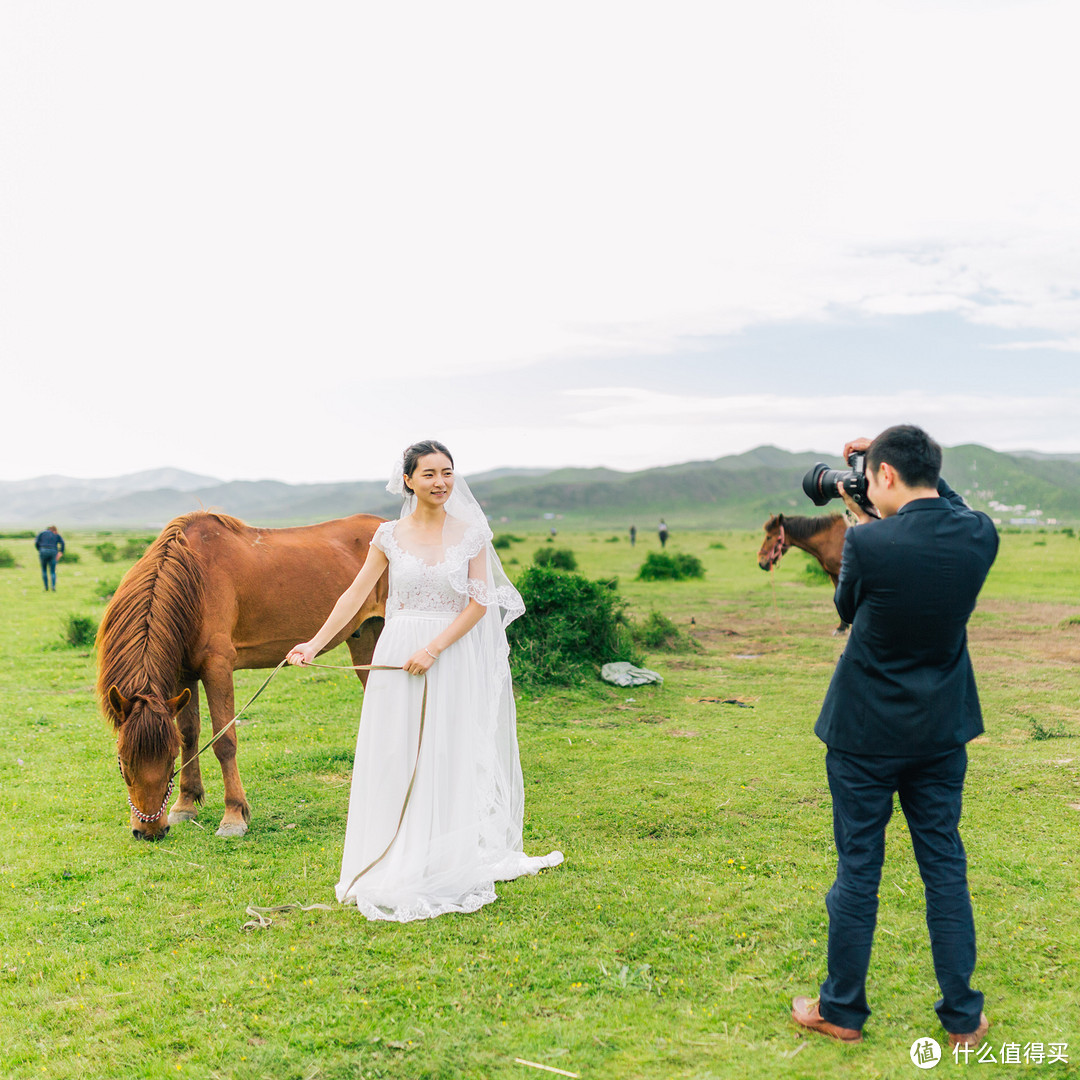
[414, 453]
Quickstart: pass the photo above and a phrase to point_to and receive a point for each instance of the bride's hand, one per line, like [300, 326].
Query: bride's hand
[302, 654]
[419, 662]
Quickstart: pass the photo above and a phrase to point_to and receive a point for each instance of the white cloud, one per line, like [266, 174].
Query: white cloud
[691, 426]
[254, 211]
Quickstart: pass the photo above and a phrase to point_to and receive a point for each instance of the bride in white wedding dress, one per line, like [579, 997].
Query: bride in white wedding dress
[449, 604]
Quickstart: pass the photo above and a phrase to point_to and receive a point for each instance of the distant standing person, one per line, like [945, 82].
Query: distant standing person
[50, 547]
[662, 530]
[633, 534]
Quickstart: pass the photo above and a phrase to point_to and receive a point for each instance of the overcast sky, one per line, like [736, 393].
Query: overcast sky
[254, 239]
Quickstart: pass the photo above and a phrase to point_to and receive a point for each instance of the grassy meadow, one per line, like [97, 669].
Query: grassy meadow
[690, 908]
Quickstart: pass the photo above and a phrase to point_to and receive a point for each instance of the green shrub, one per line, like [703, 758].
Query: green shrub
[80, 631]
[570, 627]
[718, 546]
[658, 633]
[659, 566]
[135, 547]
[23, 534]
[556, 558]
[504, 540]
[1068, 531]
[71, 556]
[105, 587]
[613, 539]
[107, 551]
[6, 558]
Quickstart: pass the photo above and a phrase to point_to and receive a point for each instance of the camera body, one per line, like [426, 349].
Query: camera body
[820, 483]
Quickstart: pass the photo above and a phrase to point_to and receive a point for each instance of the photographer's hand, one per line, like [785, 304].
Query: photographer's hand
[856, 446]
[860, 512]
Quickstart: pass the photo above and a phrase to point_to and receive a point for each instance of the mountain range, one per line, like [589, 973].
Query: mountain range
[737, 491]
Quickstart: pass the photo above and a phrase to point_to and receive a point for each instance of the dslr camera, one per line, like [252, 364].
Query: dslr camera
[820, 483]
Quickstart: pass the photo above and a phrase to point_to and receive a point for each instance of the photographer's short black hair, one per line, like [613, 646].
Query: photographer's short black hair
[910, 451]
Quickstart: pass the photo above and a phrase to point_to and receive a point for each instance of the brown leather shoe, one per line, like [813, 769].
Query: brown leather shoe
[804, 1011]
[972, 1038]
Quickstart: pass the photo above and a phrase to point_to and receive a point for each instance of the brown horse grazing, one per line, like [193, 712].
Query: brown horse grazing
[821, 536]
[212, 595]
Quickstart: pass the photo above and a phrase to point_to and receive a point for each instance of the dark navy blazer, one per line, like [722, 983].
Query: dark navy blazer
[904, 686]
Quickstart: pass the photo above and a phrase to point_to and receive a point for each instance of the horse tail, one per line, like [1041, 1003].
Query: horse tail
[151, 619]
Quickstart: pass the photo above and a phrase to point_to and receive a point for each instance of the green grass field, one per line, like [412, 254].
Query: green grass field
[687, 914]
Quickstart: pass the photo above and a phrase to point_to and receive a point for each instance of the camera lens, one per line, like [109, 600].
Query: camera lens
[820, 482]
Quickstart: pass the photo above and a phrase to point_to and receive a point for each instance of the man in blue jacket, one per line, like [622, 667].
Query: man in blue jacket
[50, 547]
[901, 706]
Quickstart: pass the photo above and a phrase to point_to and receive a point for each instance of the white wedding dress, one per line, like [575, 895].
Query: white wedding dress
[461, 831]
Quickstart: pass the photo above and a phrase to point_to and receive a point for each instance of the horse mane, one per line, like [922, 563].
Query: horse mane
[802, 528]
[146, 630]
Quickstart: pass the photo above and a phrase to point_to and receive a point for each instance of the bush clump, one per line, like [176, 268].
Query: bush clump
[659, 566]
[21, 534]
[815, 573]
[107, 551]
[6, 558]
[71, 556]
[659, 634]
[571, 627]
[80, 631]
[105, 588]
[504, 540]
[135, 547]
[556, 558]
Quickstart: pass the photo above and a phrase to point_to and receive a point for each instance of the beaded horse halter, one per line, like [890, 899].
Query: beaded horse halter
[778, 548]
[146, 818]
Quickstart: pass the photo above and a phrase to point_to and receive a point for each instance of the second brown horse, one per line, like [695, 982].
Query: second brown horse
[821, 536]
[212, 595]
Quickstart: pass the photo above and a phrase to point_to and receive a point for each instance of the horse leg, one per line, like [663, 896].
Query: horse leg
[362, 644]
[191, 792]
[217, 677]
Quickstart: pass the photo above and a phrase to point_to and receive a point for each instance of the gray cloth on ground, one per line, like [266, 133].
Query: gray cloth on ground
[623, 673]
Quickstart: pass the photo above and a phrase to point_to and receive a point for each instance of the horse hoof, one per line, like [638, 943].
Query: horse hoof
[176, 816]
[231, 828]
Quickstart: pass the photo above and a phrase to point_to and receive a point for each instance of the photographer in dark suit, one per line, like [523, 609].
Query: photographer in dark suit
[901, 706]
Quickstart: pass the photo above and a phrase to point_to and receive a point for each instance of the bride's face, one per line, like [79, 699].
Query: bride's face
[432, 479]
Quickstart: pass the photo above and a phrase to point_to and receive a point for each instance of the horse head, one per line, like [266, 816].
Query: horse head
[147, 742]
[775, 543]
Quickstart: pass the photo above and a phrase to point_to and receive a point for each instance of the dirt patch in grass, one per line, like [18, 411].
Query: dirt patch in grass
[1022, 636]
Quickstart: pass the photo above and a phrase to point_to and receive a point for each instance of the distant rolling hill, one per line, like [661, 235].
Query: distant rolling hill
[738, 491]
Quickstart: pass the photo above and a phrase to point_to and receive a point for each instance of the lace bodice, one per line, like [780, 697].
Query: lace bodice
[423, 576]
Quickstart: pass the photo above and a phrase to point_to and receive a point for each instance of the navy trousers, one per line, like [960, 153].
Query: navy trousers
[48, 565]
[930, 790]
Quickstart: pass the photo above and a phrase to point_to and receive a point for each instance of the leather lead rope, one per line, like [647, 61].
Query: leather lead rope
[261, 913]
